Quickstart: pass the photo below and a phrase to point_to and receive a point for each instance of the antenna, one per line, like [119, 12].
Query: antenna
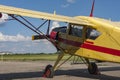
[91, 14]
[54, 12]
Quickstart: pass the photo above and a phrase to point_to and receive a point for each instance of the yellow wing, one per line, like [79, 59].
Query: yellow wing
[37, 14]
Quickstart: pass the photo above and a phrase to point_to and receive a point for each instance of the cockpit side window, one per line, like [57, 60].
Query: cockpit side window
[76, 30]
[92, 34]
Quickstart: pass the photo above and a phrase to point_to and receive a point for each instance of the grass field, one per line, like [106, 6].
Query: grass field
[31, 57]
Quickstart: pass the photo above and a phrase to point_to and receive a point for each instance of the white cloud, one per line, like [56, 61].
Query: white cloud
[16, 38]
[71, 1]
[37, 46]
[54, 25]
[65, 5]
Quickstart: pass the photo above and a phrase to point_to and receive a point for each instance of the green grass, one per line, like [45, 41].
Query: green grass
[31, 57]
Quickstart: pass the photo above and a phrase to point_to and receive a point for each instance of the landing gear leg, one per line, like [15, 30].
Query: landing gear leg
[60, 56]
[92, 68]
[49, 70]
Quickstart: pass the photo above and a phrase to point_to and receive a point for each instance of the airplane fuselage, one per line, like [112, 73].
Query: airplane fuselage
[89, 42]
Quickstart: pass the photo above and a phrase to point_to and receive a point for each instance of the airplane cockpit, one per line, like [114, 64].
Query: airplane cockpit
[76, 30]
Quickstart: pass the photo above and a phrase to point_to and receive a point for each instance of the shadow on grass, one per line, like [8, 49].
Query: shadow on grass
[73, 72]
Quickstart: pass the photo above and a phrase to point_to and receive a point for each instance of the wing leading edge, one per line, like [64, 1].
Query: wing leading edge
[42, 15]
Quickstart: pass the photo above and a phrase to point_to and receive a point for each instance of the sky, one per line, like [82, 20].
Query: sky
[14, 34]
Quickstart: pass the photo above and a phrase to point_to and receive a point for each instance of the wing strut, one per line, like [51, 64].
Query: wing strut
[33, 28]
[24, 24]
[48, 30]
[36, 29]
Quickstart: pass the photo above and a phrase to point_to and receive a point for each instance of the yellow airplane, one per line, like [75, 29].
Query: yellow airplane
[85, 36]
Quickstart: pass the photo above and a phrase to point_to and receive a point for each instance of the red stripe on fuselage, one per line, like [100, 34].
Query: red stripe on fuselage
[101, 49]
[91, 47]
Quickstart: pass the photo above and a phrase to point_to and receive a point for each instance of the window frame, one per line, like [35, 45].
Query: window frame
[93, 33]
[77, 27]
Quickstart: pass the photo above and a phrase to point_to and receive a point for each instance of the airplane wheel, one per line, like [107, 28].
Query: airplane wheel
[93, 69]
[49, 72]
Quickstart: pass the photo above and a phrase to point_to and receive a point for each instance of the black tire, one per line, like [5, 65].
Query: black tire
[93, 69]
[49, 72]
[48, 66]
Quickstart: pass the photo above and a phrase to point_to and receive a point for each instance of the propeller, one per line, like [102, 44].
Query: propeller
[91, 13]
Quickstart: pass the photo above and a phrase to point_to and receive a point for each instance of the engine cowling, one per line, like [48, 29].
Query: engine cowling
[55, 32]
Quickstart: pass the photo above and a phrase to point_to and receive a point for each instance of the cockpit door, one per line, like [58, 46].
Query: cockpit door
[75, 37]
